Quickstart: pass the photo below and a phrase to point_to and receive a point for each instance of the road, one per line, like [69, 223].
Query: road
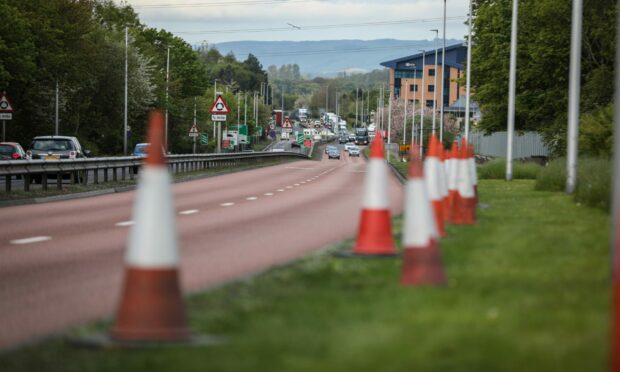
[228, 226]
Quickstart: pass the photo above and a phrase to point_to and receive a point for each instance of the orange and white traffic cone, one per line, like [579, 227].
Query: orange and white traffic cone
[422, 264]
[432, 168]
[375, 229]
[151, 308]
[466, 198]
[473, 173]
[443, 183]
[452, 182]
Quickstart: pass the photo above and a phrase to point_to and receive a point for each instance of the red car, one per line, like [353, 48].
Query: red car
[11, 151]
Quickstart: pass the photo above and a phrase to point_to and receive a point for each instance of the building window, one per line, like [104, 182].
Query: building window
[431, 72]
[429, 103]
[413, 88]
[431, 88]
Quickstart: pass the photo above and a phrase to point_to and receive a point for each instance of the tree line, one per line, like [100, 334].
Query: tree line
[79, 47]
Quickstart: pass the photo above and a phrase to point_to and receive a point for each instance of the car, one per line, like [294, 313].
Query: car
[56, 147]
[330, 147]
[141, 150]
[343, 139]
[333, 154]
[11, 151]
[351, 137]
[348, 145]
[354, 151]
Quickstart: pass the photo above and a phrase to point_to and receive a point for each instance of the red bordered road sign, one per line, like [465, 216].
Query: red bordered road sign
[287, 124]
[219, 107]
[5, 104]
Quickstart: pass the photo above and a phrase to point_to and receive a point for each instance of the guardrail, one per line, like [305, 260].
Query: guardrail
[77, 170]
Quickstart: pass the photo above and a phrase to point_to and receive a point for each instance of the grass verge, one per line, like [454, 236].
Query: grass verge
[528, 291]
[593, 180]
[496, 170]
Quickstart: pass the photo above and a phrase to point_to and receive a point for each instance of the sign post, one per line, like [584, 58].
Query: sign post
[218, 111]
[193, 132]
[6, 112]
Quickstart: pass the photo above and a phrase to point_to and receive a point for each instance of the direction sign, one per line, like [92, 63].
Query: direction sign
[219, 107]
[5, 105]
[204, 139]
[218, 117]
[300, 138]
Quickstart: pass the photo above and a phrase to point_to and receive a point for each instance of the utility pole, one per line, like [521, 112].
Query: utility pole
[214, 98]
[422, 104]
[443, 76]
[415, 90]
[573, 97]
[468, 78]
[405, 116]
[389, 131]
[512, 88]
[435, 83]
[167, 81]
[126, 87]
[56, 107]
[194, 147]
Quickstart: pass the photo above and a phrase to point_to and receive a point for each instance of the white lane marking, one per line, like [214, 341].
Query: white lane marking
[251, 198]
[34, 239]
[298, 168]
[124, 223]
[188, 212]
[289, 187]
[296, 184]
[303, 182]
[308, 180]
[280, 190]
[358, 171]
[268, 194]
[230, 204]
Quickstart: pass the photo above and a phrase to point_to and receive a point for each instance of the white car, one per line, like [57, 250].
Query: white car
[348, 145]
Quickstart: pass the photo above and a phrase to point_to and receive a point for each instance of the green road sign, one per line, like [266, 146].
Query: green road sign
[300, 139]
[204, 138]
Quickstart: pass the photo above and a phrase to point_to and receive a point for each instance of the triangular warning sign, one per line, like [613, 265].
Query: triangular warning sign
[287, 124]
[219, 107]
[5, 105]
[194, 128]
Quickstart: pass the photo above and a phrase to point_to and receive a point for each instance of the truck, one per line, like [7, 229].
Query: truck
[277, 116]
[361, 136]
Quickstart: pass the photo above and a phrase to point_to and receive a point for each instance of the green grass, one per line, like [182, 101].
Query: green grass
[593, 180]
[528, 291]
[496, 170]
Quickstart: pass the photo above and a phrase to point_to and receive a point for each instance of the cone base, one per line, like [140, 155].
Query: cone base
[151, 308]
[464, 211]
[423, 266]
[375, 233]
[352, 254]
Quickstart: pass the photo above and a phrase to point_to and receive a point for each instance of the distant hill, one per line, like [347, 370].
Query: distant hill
[328, 58]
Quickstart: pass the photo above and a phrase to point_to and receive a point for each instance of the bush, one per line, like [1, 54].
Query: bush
[496, 170]
[593, 180]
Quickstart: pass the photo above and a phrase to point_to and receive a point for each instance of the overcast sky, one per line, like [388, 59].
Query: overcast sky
[212, 20]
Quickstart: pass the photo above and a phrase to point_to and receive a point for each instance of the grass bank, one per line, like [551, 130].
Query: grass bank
[528, 291]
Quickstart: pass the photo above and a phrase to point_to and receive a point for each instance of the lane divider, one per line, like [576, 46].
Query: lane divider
[251, 198]
[229, 204]
[188, 212]
[33, 239]
[268, 194]
[124, 223]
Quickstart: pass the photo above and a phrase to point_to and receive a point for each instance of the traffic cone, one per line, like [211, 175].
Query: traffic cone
[432, 168]
[452, 182]
[465, 202]
[473, 173]
[375, 228]
[422, 262]
[443, 183]
[151, 308]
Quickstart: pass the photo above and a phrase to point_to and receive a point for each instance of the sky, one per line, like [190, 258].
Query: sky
[215, 21]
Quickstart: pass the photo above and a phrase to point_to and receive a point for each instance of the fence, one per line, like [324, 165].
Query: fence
[79, 170]
[525, 145]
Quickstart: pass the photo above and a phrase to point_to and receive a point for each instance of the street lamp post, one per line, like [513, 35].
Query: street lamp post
[435, 83]
[512, 88]
[415, 89]
[443, 75]
[573, 98]
[167, 80]
[422, 104]
[468, 78]
[126, 88]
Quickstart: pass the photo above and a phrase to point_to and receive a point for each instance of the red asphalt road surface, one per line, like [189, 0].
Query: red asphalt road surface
[75, 277]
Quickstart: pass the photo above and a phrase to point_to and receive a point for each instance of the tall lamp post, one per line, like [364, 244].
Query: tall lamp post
[422, 104]
[573, 97]
[468, 78]
[167, 81]
[126, 88]
[435, 83]
[512, 88]
[443, 75]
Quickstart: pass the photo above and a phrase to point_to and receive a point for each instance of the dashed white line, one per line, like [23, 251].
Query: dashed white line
[230, 204]
[280, 190]
[268, 194]
[303, 182]
[34, 239]
[188, 212]
[251, 198]
[289, 187]
[124, 223]
[296, 184]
